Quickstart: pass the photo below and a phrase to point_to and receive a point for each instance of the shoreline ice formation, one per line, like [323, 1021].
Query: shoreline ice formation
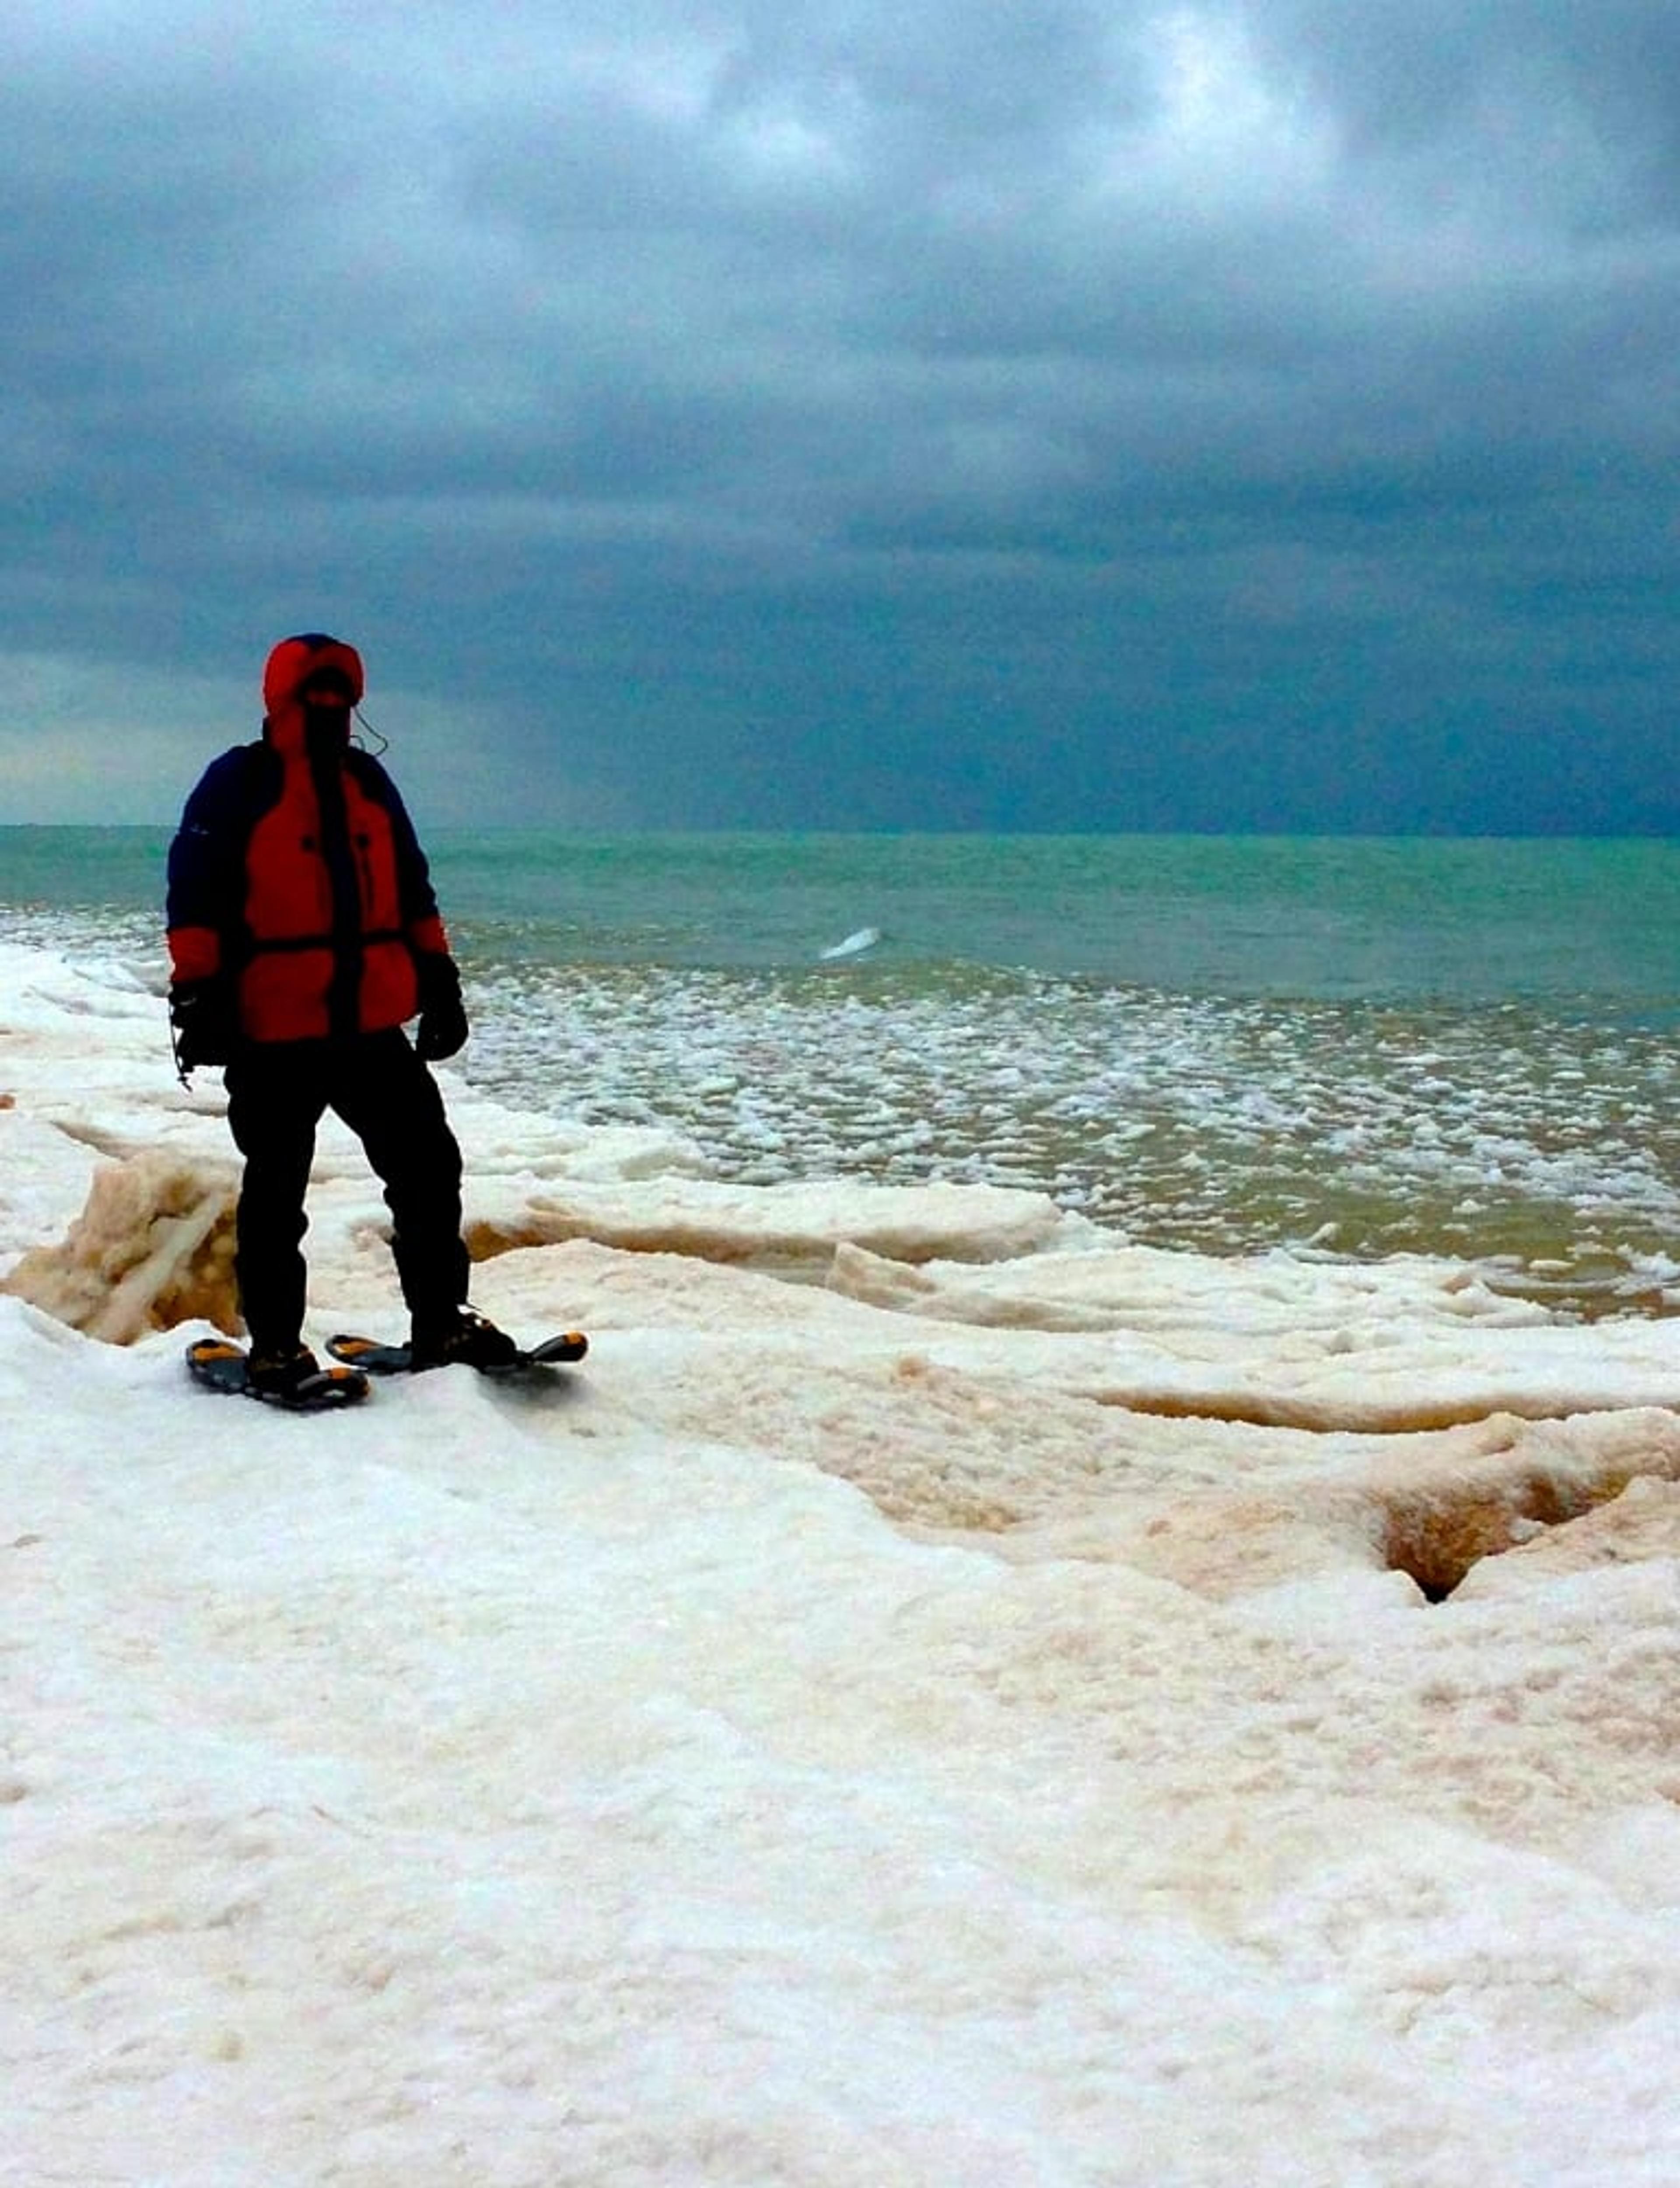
[943, 1696]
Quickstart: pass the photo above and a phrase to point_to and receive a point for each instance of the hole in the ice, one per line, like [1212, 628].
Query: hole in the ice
[1436, 1539]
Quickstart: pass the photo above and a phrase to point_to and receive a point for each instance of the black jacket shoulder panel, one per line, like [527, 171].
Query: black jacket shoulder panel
[207, 854]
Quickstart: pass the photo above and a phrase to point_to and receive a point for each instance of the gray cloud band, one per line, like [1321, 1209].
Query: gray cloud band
[1010, 377]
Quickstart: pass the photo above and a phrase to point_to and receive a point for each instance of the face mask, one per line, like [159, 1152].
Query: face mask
[326, 729]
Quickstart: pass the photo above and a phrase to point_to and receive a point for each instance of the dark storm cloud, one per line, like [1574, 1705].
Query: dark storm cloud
[1519, 77]
[1027, 413]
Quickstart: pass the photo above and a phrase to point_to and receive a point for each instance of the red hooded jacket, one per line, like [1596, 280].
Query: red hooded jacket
[297, 876]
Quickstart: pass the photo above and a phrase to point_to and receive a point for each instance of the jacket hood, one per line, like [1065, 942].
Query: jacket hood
[293, 662]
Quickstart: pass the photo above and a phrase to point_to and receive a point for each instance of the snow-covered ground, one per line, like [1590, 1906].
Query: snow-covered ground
[942, 1698]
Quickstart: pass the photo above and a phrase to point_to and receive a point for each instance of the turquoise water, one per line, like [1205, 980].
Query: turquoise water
[1350, 1047]
[1320, 918]
[1592, 925]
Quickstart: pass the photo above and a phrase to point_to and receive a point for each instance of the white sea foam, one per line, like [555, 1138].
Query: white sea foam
[1547, 1149]
[1180, 1121]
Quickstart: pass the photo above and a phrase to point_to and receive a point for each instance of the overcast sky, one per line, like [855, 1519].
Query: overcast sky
[983, 414]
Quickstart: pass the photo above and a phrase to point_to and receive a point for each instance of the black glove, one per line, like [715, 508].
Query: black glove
[204, 1021]
[442, 1026]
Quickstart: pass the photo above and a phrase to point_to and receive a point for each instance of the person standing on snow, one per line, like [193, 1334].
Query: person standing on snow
[303, 932]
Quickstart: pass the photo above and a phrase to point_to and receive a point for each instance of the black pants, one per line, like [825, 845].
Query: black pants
[278, 1093]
